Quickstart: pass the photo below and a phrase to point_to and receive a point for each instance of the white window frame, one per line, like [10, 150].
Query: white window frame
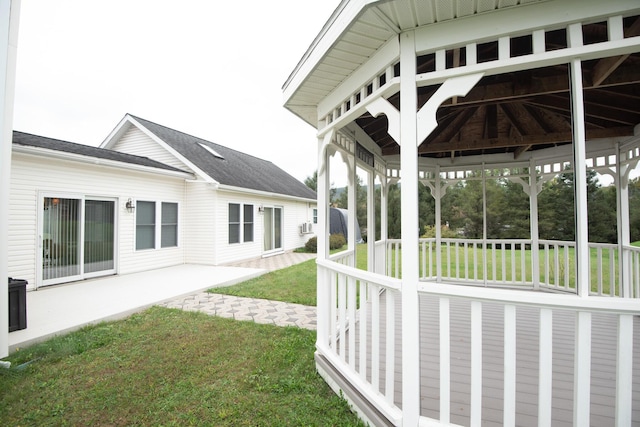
[157, 226]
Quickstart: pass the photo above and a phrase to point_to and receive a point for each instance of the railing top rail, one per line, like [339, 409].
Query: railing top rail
[539, 299]
[603, 245]
[631, 248]
[341, 254]
[367, 276]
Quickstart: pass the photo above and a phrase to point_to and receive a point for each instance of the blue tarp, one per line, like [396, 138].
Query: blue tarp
[338, 220]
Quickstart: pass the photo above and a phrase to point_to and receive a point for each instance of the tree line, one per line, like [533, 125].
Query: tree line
[507, 209]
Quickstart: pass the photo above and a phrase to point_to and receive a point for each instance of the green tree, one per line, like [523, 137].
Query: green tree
[312, 181]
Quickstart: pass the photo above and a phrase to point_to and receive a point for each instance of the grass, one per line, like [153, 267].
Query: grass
[295, 284]
[169, 367]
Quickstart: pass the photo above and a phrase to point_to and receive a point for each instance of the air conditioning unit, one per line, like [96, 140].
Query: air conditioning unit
[305, 228]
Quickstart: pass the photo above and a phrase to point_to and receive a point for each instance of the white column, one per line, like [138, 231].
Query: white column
[353, 215]
[410, 232]
[624, 238]
[533, 228]
[438, 199]
[9, 19]
[371, 221]
[322, 234]
[579, 181]
[381, 263]
[579, 165]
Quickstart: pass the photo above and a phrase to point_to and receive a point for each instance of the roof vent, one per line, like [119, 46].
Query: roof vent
[212, 151]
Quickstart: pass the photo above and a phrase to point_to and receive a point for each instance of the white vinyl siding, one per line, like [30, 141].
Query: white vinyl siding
[199, 221]
[34, 176]
[294, 214]
[136, 142]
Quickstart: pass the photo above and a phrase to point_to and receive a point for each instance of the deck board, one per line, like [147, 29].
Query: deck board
[603, 373]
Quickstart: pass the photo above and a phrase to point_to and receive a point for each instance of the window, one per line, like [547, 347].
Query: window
[240, 223]
[145, 225]
[315, 216]
[169, 230]
[234, 223]
[248, 223]
[156, 222]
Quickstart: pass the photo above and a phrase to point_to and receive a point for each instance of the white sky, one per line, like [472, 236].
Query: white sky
[208, 68]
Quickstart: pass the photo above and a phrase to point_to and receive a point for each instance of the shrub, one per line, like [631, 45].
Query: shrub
[311, 245]
[336, 241]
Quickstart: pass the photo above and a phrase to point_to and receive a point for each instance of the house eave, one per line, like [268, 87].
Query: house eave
[94, 161]
[233, 189]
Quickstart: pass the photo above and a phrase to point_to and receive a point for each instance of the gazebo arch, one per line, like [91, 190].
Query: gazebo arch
[431, 92]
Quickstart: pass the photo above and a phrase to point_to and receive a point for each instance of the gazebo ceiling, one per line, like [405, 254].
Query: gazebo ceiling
[527, 110]
[513, 112]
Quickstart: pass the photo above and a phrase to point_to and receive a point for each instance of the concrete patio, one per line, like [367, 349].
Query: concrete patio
[60, 309]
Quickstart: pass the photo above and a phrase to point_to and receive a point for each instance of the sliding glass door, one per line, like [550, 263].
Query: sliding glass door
[272, 229]
[77, 239]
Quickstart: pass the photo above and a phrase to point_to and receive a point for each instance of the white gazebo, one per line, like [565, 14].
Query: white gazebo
[477, 331]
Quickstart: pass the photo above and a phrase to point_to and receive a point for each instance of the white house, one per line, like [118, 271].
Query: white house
[149, 197]
[477, 331]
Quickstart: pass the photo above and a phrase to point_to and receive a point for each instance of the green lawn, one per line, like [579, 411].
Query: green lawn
[296, 284]
[171, 368]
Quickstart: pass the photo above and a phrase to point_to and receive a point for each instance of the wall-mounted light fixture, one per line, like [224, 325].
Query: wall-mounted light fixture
[260, 209]
[129, 205]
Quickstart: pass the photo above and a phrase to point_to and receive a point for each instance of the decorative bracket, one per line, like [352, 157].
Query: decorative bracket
[455, 86]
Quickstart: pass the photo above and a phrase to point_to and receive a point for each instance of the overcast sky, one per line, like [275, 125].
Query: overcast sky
[212, 71]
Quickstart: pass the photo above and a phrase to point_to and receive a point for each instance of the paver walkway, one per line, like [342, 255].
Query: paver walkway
[253, 309]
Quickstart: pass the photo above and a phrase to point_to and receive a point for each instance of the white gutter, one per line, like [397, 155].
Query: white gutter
[233, 189]
[89, 160]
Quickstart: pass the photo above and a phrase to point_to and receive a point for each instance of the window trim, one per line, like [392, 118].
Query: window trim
[241, 224]
[158, 225]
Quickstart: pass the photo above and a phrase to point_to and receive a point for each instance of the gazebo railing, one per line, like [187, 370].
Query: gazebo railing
[360, 336]
[510, 262]
[357, 329]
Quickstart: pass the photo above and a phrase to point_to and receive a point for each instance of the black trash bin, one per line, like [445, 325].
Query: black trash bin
[17, 304]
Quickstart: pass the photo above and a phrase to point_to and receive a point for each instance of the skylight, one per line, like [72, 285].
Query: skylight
[212, 151]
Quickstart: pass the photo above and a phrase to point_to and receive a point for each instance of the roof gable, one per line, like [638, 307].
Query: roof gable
[229, 167]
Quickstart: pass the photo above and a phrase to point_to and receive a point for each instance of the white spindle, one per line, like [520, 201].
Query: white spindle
[363, 330]
[351, 308]
[582, 370]
[624, 368]
[342, 313]
[333, 310]
[375, 337]
[391, 347]
[509, 405]
[545, 390]
[445, 361]
[476, 363]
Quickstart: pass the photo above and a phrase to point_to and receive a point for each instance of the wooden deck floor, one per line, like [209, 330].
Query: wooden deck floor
[603, 373]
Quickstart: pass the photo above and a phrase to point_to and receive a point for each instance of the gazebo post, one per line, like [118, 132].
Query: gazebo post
[437, 195]
[371, 221]
[622, 211]
[381, 261]
[351, 206]
[322, 236]
[533, 228]
[409, 230]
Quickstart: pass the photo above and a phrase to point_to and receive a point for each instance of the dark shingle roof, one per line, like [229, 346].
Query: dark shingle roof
[234, 168]
[29, 140]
